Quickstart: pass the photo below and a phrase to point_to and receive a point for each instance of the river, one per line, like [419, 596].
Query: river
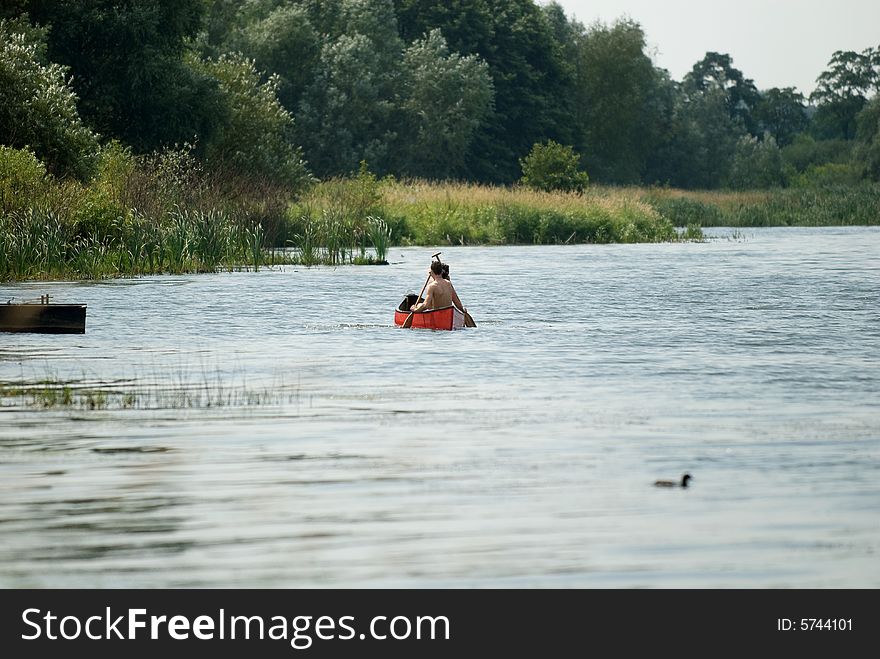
[324, 447]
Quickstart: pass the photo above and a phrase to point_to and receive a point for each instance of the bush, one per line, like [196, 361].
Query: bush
[37, 108]
[806, 152]
[23, 179]
[757, 164]
[255, 141]
[829, 174]
[552, 166]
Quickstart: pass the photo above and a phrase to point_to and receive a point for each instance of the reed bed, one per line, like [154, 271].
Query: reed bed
[57, 394]
[164, 214]
[832, 205]
[419, 212]
[38, 244]
[140, 215]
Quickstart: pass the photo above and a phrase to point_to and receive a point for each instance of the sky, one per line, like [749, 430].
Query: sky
[776, 43]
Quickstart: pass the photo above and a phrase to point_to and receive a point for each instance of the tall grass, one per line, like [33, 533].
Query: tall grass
[35, 244]
[163, 213]
[339, 219]
[467, 214]
[417, 212]
[214, 392]
[828, 205]
[140, 215]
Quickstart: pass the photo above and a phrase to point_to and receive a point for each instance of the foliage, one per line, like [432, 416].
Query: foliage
[23, 179]
[715, 74]
[685, 211]
[705, 141]
[446, 98]
[347, 113]
[431, 214]
[214, 105]
[128, 66]
[340, 217]
[39, 243]
[828, 175]
[552, 166]
[37, 108]
[620, 110]
[843, 90]
[782, 113]
[757, 164]
[849, 75]
[837, 120]
[532, 81]
[805, 152]
[832, 205]
[257, 139]
[280, 39]
[867, 153]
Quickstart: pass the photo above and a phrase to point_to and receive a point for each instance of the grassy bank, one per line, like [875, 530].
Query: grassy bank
[163, 214]
[39, 244]
[837, 205]
[139, 215]
[422, 213]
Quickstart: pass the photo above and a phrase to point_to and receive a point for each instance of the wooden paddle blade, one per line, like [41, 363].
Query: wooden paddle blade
[408, 322]
[468, 321]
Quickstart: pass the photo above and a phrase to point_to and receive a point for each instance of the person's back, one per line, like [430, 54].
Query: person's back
[439, 293]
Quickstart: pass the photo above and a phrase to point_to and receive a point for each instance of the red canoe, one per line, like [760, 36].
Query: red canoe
[447, 318]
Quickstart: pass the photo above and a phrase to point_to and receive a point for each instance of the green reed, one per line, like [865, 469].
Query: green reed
[380, 236]
[207, 392]
[825, 205]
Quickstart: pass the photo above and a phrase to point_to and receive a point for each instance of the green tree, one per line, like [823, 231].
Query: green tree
[282, 41]
[13, 8]
[552, 166]
[620, 112]
[756, 164]
[349, 112]
[703, 119]
[446, 97]
[805, 152]
[528, 72]
[849, 74]
[716, 74]
[344, 117]
[37, 107]
[466, 24]
[127, 61]
[255, 140]
[782, 113]
[867, 151]
[843, 90]
[23, 179]
[701, 142]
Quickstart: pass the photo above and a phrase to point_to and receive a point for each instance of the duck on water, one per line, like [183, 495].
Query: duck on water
[682, 483]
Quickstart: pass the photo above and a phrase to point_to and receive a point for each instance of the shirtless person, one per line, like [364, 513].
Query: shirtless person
[455, 299]
[439, 292]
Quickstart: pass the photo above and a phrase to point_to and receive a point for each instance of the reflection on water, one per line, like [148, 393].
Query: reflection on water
[520, 453]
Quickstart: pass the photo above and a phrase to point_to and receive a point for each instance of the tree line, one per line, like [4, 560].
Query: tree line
[284, 90]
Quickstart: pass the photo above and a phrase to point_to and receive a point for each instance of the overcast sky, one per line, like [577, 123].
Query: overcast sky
[776, 43]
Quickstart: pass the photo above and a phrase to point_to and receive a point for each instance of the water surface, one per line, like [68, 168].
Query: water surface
[520, 453]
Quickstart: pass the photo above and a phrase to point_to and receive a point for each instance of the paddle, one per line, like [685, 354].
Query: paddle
[409, 319]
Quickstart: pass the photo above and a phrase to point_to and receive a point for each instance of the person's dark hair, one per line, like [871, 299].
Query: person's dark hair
[445, 271]
[436, 267]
